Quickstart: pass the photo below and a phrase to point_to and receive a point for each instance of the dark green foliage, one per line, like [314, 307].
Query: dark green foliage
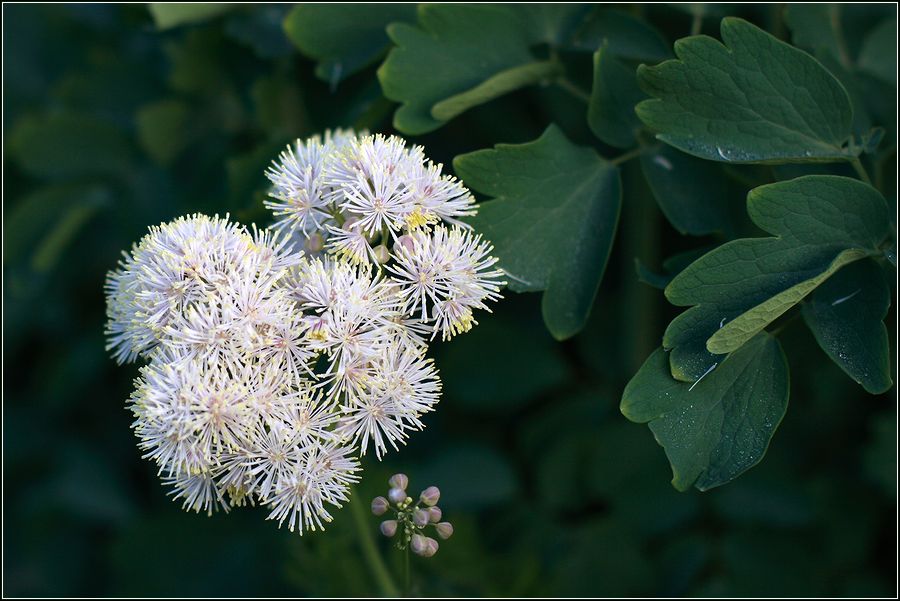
[118, 117]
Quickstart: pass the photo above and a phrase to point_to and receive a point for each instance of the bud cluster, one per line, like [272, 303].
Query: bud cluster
[412, 517]
[275, 358]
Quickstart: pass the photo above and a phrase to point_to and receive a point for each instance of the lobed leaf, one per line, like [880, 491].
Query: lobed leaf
[753, 99]
[344, 38]
[716, 429]
[458, 56]
[820, 223]
[614, 94]
[846, 315]
[552, 221]
[693, 194]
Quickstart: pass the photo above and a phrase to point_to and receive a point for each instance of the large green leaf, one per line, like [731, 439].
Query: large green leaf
[344, 38]
[693, 194]
[167, 15]
[821, 223]
[459, 56]
[715, 429]
[614, 94]
[552, 221]
[754, 99]
[845, 314]
[625, 35]
[879, 52]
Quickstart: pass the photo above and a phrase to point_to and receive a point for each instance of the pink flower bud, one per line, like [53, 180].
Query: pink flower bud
[315, 243]
[418, 544]
[397, 495]
[430, 495]
[432, 547]
[434, 514]
[420, 518]
[398, 481]
[380, 505]
[406, 241]
[444, 530]
[389, 528]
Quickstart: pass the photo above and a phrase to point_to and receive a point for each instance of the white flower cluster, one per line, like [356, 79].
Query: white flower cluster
[270, 369]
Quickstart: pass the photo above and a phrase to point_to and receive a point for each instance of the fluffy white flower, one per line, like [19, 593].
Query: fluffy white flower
[444, 275]
[269, 372]
[300, 196]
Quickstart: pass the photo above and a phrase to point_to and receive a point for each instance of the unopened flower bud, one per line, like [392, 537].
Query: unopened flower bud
[382, 255]
[430, 495]
[432, 547]
[398, 481]
[380, 505]
[420, 518]
[351, 224]
[406, 241]
[389, 528]
[418, 544]
[444, 530]
[315, 243]
[434, 514]
[397, 495]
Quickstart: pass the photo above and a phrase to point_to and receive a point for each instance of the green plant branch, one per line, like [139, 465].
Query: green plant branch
[860, 170]
[697, 22]
[573, 89]
[627, 156]
[369, 549]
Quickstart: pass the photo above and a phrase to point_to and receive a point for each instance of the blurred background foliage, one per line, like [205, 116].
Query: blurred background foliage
[112, 124]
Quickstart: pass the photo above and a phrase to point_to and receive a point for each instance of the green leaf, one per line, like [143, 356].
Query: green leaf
[625, 36]
[754, 99]
[462, 55]
[820, 222]
[167, 15]
[552, 222]
[693, 194]
[846, 316]
[68, 145]
[716, 429]
[495, 86]
[878, 56]
[817, 27]
[163, 129]
[344, 38]
[614, 94]
[671, 267]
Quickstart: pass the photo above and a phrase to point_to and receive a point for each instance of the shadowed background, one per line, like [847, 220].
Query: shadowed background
[111, 126]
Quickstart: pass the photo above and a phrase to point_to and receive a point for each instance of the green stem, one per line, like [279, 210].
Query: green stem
[574, 90]
[370, 550]
[624, 158]
[697, 23]
[406, 579]
[860, 170]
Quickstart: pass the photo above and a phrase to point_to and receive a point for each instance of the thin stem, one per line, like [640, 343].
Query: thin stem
[834, 18]
[697, 23]
[406, 572]
[370, 550]
[860, 170]
[624, 158]
[574, 90]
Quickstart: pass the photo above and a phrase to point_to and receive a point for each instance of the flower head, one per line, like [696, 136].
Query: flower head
[276, 357]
